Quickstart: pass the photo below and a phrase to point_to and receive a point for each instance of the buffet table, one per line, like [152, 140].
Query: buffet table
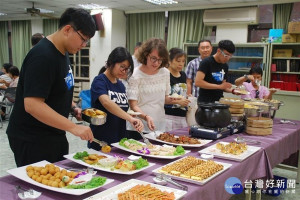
[284, 141]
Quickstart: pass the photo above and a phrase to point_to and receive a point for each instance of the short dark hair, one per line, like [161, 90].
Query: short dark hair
[118, 55]
[35, 38]
[138, 44]
[227, 45]
[148, 46]
[256, 70]
[6, 66]
[204, 41]
[79, 19]
[13, 70]
[175, 53]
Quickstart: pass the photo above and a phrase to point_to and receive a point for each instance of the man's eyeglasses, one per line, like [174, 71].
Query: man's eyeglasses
[154, 60]
[124, 69]
[84, 41]
[257, 94]
[225, 55]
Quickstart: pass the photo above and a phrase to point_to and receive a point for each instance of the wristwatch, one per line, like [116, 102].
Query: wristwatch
[246, 77]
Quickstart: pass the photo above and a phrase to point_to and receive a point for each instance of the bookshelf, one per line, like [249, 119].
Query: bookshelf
[284, 68]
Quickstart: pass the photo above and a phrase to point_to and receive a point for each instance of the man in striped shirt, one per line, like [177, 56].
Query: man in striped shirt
[205, 49]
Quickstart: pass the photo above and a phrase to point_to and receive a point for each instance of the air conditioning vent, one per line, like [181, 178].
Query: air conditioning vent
[246, 15]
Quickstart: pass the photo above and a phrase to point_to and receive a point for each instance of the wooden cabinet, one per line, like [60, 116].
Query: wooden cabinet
[245, 56]
[284, 68]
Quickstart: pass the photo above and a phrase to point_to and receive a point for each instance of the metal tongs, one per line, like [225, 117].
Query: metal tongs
[242, 140]
[170, 180]
[145, 139]
[101, 143]
[27, 194]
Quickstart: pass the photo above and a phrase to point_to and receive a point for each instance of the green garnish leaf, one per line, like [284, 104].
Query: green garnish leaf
[140, 163]
[179, 151]
[80, 155]
[94, 182]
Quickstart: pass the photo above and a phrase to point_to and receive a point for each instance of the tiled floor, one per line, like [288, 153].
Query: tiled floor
[76, 144]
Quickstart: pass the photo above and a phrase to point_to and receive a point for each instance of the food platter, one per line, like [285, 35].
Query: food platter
[117, 145]
[198, 182]
[106, 169]
[20, 173]
[152, 136]
[113, 192]
[217, 153]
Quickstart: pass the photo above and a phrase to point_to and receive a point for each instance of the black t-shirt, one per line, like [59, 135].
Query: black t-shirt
[215, 73]
[42, 75]
[178, 85]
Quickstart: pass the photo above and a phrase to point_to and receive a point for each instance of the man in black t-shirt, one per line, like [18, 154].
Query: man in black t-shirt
[212, 74]
[38, 123]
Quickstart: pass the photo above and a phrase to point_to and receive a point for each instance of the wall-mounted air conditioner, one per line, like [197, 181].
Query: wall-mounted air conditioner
[245, 15]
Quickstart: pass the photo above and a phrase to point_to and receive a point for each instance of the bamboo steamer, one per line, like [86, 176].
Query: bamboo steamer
[259, 126]
[236, 105]
[258, 131]
[236, 110]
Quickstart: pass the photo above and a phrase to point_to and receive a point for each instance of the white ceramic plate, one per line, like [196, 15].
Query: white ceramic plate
[106, 169]
[112, 193]
[202, 182]
[242, 92]
[152, 136]
[147, 155]
[217, 153]
[20, 173]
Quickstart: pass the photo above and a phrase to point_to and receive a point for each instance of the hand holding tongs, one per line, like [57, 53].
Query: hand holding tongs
[145, 139]
[101, 143]
[170, 180]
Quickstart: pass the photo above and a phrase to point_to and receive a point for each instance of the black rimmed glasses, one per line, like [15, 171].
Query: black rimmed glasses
[84, 41]
[257, 94]
[124, 69]
[154, 60]
[225, 55]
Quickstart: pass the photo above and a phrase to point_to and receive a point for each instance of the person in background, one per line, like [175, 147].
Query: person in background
[149, 86]
[5, 78]
[35, 38]
[136, 63]
[13, 73]
[176, 113]
[212, 74]
[39, 120]
[108, 94]
[204, 49]
[254, 86]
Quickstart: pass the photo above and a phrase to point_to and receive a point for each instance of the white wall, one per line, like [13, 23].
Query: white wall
[102, 44]
[36, 26]
[237, 33]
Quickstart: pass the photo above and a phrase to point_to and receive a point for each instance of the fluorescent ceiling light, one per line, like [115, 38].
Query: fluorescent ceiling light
[45, 11]
[92, 6]
[159, 2]
[3, 14]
